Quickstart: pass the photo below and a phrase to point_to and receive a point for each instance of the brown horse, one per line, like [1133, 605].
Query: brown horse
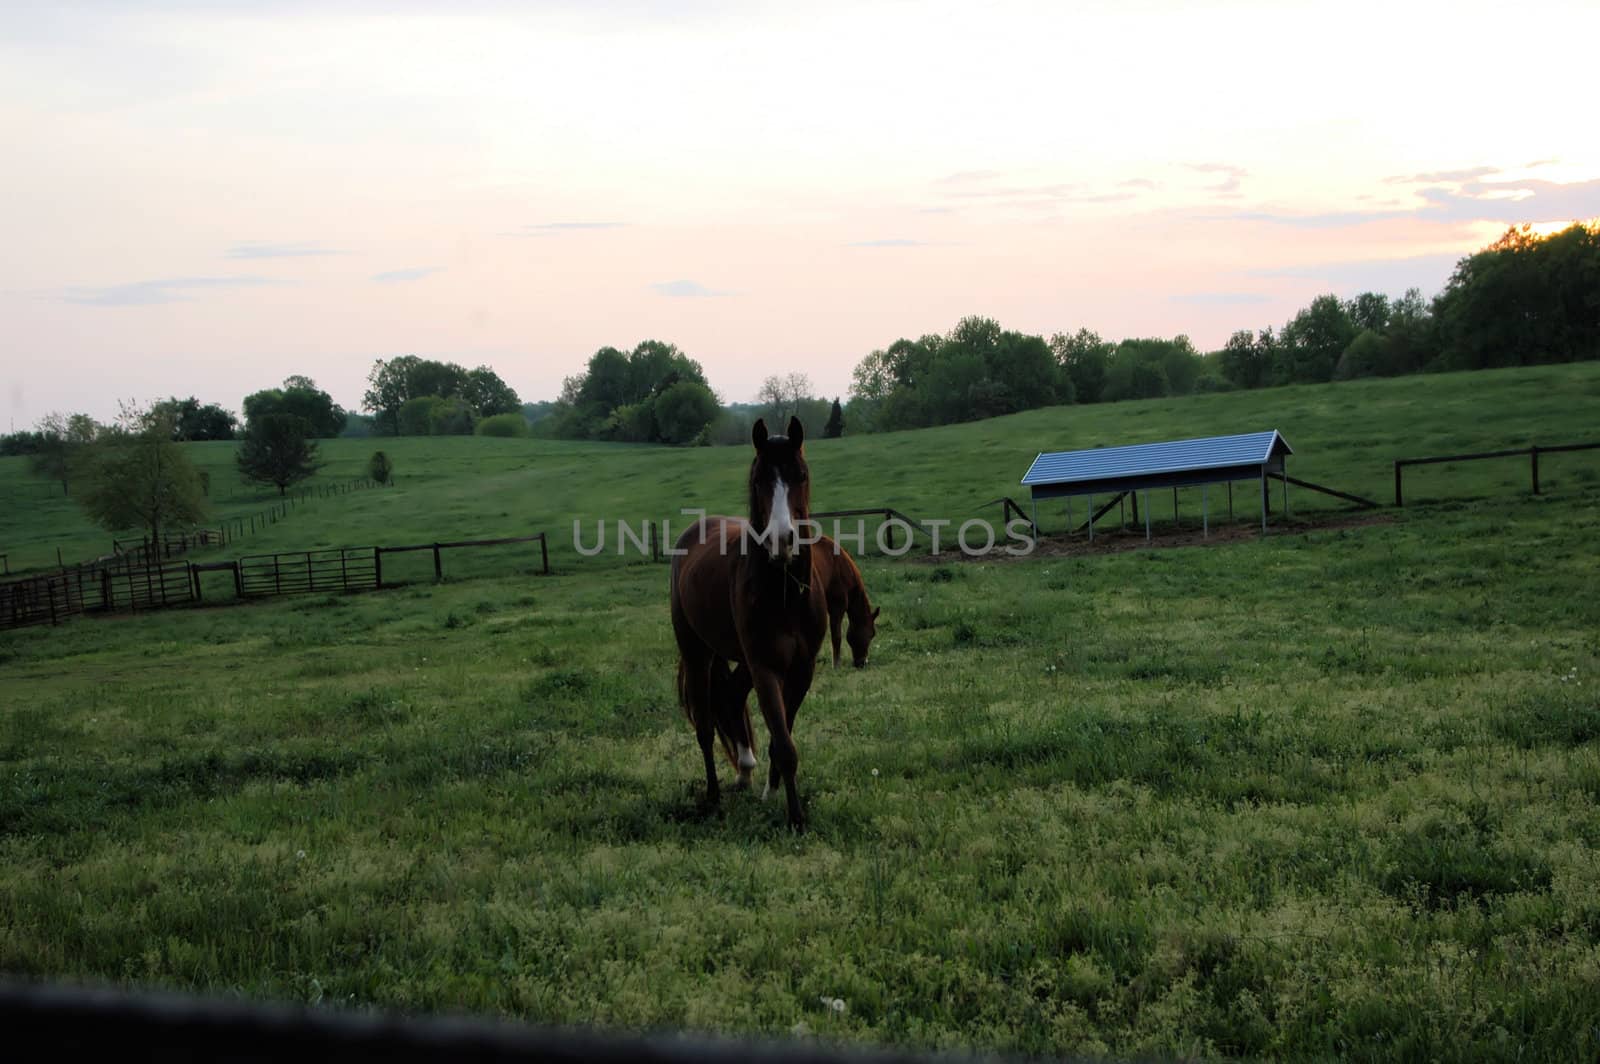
[847, 597]
[745, 599]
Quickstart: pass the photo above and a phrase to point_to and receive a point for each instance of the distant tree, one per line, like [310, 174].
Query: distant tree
[451, 416]
[380, 468]
[135, 476]
[780, 396]
[298, 397]
[1246, 359]
[684, 410]
[1310, 345]
[1084, 357]
[277, 449]
[193, 421]
[60, 442]
[1367, 356]
[616, 396]
[1369, 311]
[1523, 300]
[835, 426]
[415, 417]
[388, 389]
[488, 394]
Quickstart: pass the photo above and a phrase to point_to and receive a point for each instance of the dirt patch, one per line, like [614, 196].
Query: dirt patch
[1111, 541]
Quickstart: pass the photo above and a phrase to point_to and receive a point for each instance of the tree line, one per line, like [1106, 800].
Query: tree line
[1524, 300]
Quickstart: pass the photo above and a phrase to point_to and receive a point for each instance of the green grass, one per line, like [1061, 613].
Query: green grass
[1345, 435]
[1329, 793]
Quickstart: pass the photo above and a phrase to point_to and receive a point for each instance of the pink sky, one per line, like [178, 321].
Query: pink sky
[204, 198]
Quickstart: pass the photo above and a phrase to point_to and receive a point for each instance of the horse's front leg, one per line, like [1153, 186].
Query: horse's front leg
[785, 759]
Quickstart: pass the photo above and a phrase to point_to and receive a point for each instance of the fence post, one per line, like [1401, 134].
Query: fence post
[1534, 452]
[438, 565]
[377, 568]
[194, 581]
[1397, 499]
[544, 552]
[50, 592]
[238, 580]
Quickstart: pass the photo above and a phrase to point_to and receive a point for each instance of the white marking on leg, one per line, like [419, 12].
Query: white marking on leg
[766, 790]
[747, 760]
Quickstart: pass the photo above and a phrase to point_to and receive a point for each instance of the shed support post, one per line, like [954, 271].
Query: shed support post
[1091, 519]
[1205, 515]
[1230, 502]
[1136, 507]
[1146, 514]
[1122, 511]
[1175, 508]
[1284, 472]
[1069, 515]
[1263, 500]
[1036, 515]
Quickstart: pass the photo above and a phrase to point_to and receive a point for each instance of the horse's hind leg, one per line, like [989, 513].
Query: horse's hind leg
[697, 695]
[784, 757]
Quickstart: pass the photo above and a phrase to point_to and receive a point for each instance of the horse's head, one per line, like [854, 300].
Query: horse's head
[863, 628]
[780, 489]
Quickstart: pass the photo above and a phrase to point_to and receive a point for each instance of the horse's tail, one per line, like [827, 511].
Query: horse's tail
[683, 691]
[686, 701]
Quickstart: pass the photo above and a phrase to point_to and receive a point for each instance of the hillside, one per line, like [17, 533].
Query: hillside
[1345, 435]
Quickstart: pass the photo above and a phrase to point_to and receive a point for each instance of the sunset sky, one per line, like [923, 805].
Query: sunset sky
[202, 198]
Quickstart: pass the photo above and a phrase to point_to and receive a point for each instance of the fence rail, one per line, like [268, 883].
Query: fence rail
[1532, 453]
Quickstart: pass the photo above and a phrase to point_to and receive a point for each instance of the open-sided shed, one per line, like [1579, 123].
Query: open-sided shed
[1139, 467]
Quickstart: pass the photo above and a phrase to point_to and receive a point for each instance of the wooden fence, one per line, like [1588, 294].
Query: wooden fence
[1531, 453]
[131, 581]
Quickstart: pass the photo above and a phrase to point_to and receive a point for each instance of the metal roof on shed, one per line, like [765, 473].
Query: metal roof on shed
[1154, 459]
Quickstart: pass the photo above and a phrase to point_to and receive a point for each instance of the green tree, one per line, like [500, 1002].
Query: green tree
[136, 477]
[684, 410]
[192, 421]
[488, 394]
[1246, 359]
[835, 426]
[450, 417]
[1084, 357]
[298, 397]
[1523, 300]
[388, 389]
[415, 417]
[60, 443]
[277, 449]
[1310, 345]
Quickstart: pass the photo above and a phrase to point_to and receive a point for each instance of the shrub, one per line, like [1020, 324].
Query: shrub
[504, 425]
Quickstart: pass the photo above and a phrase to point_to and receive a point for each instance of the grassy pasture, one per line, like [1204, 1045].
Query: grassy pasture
[451, 488]
[1333, 792]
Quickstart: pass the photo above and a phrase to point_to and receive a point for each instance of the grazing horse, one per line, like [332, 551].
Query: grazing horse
[847, 596]
[748, 613]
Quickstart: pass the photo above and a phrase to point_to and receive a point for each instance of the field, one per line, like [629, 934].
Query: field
[1335, 791]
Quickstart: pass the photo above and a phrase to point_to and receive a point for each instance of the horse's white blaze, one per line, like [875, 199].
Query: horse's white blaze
[747, 760]
[780, 526]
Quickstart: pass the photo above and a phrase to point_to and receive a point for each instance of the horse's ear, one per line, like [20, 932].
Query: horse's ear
[876, 612]
[758, 435]
[797, 433]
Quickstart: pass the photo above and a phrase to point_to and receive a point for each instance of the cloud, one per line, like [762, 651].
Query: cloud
[892, 243]
[1443, 176]
[257, 250]
[149, 293]
[1138, 182]
[1509, 202]
[416, 273]
[685, 289]
[967, 177]
[552, 228]
[1427, 272]
[1220, 298]
[1231, 175]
